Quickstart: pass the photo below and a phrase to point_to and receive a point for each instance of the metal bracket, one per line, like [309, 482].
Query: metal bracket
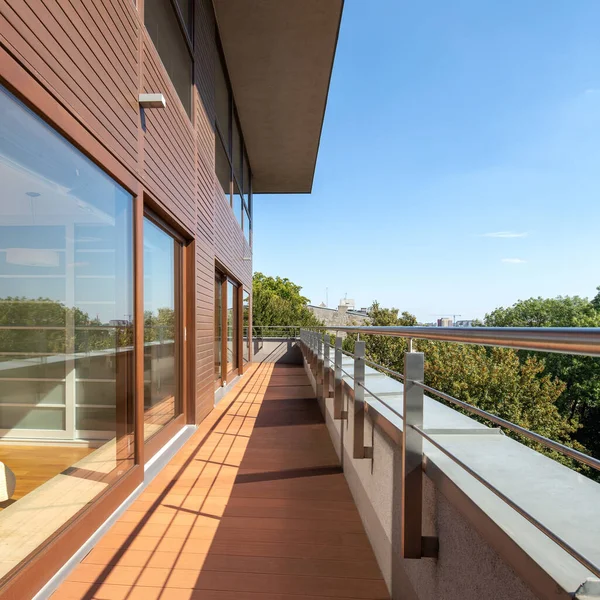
[430, 546]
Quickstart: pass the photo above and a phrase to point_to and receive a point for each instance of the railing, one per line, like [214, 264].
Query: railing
[317, 348]
[274, 331]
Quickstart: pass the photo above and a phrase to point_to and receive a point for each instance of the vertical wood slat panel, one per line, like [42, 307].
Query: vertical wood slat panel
[43, 37]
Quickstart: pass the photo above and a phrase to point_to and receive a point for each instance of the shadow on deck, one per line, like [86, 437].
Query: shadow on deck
[254, 506]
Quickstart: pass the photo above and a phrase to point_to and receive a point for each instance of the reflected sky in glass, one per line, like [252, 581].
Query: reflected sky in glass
[65, 226]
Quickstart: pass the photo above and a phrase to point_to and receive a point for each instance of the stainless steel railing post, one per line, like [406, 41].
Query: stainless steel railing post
[320, 366]
[413, 544]
[326, 367]
[360, 451]
[338, 383]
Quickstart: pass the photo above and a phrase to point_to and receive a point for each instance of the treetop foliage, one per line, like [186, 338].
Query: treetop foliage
[579, 401]
[278, 301]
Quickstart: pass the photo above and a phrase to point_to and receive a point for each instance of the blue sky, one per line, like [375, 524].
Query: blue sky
[459, 167]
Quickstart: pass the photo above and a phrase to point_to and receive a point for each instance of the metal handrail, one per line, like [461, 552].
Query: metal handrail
[572, 341]
[555, 538]
[294, 329]
[565, 340]
[590, 461]
[536, 437]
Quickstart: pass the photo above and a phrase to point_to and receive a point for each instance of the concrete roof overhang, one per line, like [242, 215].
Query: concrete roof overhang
[279, 55]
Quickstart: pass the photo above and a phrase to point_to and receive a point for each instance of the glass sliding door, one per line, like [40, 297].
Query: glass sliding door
[162, 327]
[66, 330]
[232, 326]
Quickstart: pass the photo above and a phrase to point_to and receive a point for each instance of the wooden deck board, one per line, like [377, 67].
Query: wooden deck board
[254, 506]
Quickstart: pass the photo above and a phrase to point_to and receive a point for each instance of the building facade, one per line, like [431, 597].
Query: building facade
[126, 236]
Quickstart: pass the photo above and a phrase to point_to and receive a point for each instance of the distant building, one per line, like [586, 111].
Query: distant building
[444, 322]
[348, 303]
[465, 323]
[344, 314]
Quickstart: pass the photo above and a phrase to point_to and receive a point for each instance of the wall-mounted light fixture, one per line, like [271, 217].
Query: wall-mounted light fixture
[152, 101]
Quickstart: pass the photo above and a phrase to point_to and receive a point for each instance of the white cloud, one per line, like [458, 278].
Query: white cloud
[505, 234]
[514, 261]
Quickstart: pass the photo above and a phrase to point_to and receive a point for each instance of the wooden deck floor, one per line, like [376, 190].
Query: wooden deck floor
[254, 507]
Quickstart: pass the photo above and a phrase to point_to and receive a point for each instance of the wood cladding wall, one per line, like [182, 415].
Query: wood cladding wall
[94, 58]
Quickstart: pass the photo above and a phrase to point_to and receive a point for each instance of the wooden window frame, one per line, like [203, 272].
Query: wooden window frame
[249, 340]
[238, 367]
[236, 307]
[184, 341]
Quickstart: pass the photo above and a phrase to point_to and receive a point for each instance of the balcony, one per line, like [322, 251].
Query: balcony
[255, 505]
[322, 475]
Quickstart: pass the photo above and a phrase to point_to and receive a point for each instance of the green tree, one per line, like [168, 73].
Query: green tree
[580, 399]
[494, 379]
[384, 350]
[277, 301]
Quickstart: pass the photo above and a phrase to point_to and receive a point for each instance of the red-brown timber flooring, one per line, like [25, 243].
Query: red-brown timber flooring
[254, 507]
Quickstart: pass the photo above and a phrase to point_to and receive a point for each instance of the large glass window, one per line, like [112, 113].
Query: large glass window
[232, 326]
[162, 394]
[186, 10]
[162, 23]
[238, 205]
[237, 153]
[66, 329]
[222, 101]
[231, 158]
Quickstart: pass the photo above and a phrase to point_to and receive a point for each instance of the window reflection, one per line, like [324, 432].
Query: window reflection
[232, 326]
[222, 168]
[162, 402]
[66, 326]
